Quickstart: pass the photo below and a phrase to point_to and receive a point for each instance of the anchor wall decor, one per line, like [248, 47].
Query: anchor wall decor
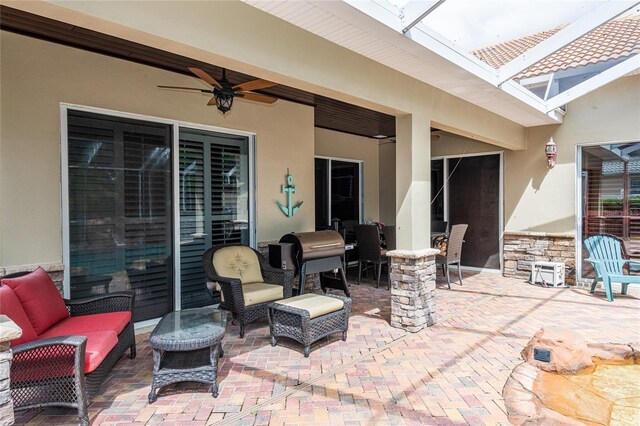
[289, 210]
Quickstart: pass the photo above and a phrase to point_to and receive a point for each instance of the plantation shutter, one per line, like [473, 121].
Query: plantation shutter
[213, 170]
[120, 227]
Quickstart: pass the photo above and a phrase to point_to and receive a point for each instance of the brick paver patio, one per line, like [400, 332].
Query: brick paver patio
[451, 373]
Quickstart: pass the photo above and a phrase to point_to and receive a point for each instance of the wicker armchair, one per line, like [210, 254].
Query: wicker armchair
[238, 294]
[453, 252]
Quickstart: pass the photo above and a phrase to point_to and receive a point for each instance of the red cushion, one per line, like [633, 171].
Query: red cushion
[114, 321]
[99, 344]
[11, 307]
[40, 299]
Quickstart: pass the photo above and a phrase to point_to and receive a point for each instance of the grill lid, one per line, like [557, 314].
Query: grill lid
[315, 245]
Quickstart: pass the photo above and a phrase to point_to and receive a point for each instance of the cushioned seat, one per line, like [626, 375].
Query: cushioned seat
[110, 321]
[260, 292]
[246, 281]
[99, 344]
[316, 305]
[309, 317]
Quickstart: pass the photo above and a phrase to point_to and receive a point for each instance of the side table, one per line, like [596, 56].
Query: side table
[186, 346]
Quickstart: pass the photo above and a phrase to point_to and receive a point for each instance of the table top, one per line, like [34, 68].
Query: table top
[189, 329]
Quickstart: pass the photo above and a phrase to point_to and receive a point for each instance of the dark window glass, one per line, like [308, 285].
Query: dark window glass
[322, 192]
[120, 224]
[437, 190]
[214, 204]
[345, 190]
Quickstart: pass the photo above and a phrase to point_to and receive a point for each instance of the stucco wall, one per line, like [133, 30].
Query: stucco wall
[542, 199]
[387, 164]
[342, 145]
[37, 76]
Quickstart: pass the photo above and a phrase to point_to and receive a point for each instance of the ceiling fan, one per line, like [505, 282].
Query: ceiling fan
[224, 92]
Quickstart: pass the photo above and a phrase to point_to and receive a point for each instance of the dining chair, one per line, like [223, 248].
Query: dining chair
[453, 251]
[389, 233]
[369, 250]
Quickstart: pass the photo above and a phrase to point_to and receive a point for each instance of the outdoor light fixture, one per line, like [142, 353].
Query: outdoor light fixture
[551, 151]
[224, 99]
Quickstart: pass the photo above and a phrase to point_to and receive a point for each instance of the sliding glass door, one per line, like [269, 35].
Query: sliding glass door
[214, 203]
[120, 221]
[610, 195]
[120, 207]
[338, 190]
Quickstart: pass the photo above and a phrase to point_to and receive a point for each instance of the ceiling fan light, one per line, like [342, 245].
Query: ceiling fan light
[224, 102]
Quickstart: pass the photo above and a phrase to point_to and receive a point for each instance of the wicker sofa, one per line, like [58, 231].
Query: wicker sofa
[246, 280]
[67, 348]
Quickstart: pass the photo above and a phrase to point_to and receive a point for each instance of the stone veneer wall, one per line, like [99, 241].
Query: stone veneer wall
[413, 289]
[55, 270]
[522, 248]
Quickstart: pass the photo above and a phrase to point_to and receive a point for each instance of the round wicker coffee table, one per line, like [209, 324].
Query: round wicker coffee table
[186, 347]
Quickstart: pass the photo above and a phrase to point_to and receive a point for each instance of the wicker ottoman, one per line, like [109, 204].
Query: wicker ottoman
[309, 317]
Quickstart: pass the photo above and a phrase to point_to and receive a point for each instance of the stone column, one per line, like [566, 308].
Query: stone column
[8, 331]
[413, 288]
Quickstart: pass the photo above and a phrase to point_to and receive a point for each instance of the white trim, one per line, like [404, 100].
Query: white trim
[360, 184]
[176, 125]
[567, 35]
[625, 67]
[501, 210]
[175, 182]
[64, 181]
[147, 323]
[482, 270]
[348, 160]
[579, 216]
[578, 198]
[414, 11]
[472, 154]
[253, 199]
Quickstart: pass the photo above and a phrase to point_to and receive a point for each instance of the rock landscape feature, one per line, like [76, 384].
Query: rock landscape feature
[596, 384]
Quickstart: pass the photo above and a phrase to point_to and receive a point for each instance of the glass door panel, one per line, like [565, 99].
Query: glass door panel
[120, 226]
[214, 203]
[611, 195]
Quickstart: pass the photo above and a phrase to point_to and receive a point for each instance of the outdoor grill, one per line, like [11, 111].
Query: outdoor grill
[318, 252]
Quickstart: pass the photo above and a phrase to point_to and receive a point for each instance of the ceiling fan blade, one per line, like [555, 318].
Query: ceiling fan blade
[186, 88]
[212, 101]
[257, 97]
[205, 76]
[254, 85]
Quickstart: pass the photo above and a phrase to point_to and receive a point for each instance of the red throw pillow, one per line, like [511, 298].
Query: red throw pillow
[11, 307]
[40, 299]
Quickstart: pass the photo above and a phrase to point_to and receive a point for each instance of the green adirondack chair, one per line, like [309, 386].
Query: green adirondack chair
[605, 254]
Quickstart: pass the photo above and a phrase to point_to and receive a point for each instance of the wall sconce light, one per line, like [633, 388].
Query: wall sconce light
[551, 151]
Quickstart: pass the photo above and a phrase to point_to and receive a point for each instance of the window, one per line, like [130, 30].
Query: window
[120, 221]
[214, 203]
[610, 193]
[338, 191]
[143, 199]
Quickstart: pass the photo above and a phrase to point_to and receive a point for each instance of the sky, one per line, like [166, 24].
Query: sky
[477, 23]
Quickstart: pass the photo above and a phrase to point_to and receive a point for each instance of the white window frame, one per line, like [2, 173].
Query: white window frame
[360, 184]
[175, 126]
[578, 201]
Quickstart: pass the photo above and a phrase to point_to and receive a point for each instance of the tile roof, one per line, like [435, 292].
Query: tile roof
[615, 39]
